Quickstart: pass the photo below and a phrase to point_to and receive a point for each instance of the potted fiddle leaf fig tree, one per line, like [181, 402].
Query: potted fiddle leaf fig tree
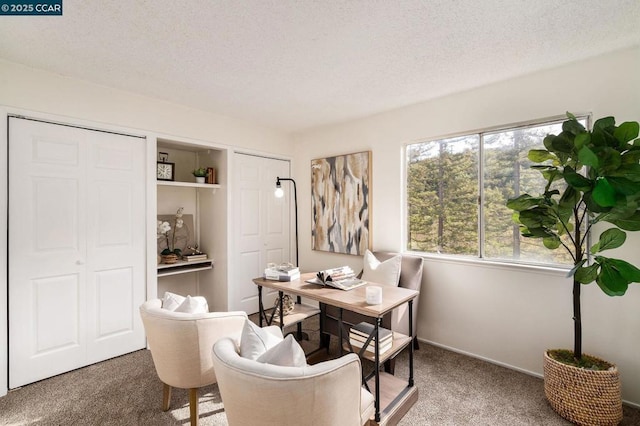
[592, 179]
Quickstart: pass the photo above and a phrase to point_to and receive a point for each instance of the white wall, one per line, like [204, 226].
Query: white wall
[505, 314]
[45, 95]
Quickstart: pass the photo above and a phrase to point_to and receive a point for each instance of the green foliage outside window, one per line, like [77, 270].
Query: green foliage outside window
[444, 189]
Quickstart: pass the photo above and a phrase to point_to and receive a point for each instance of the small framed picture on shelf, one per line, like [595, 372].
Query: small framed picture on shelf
[165, 170]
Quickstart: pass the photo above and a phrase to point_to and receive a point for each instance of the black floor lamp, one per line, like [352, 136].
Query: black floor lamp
[280, 193]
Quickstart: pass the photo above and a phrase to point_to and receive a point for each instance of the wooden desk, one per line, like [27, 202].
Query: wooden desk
[398, 396]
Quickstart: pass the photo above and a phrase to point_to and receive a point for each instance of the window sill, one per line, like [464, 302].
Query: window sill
[557, 271]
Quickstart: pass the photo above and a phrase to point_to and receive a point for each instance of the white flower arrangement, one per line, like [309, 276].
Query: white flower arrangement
[163, 230]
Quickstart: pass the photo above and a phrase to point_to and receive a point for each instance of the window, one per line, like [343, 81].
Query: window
[458, 187]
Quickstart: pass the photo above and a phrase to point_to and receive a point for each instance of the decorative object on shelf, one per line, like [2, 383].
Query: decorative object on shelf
[287, 305]
[194, 255]
[211, 175]
[174, 239]
[200, 174]
[164, 169]
[169, 258]
[340, 200]
[599, 173]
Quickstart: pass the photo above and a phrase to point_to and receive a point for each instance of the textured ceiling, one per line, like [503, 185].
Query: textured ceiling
[298, 64]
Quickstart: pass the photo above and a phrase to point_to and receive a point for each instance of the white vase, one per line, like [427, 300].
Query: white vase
[199, 179]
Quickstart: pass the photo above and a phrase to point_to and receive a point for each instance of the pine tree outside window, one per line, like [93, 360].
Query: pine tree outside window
[458, 187]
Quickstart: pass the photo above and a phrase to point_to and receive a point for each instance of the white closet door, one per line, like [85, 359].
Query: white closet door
[262, 225]
[76, 247]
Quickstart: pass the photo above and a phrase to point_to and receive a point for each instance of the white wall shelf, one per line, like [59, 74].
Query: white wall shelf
[212, 186]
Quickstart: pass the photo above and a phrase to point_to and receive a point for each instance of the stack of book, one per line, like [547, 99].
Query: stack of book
[360, 333]
[279, 273]
[194, 256]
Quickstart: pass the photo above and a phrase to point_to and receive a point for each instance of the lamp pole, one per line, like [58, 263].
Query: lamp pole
[295, 202]
[280, 193]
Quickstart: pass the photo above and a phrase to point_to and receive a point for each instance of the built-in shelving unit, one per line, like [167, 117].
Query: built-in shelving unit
[205, 203]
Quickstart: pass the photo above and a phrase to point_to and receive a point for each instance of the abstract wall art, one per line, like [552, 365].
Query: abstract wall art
[341, 203]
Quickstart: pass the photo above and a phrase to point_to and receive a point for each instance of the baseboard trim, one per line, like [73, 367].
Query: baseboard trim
[503, 364]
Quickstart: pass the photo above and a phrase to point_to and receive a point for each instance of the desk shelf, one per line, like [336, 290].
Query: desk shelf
[400, 341]
[299, 313]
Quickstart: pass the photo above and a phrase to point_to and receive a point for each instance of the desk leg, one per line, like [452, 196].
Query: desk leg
[340, 336]
[260, 306]
[377, 368]
[281, 296]
[411, 344]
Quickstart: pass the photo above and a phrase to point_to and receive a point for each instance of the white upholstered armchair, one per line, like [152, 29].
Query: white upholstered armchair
[325, 394]
[181, 344]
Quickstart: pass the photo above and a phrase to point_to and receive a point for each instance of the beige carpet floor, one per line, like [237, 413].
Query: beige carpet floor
[453, 390]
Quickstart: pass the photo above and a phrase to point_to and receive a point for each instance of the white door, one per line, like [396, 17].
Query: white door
[262, 225]
[76, 247]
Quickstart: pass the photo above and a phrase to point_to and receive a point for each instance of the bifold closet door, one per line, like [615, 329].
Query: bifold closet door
[76, 247]
[262, 225]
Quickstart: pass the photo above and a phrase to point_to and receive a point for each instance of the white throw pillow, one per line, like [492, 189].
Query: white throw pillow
[193, 305]
[255, 341]
[387, 272]
[287, 353]
[171, 301]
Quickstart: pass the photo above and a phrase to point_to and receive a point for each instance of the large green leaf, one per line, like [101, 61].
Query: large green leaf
[537, 217]
[603, 193]
[588, 157]
[587, 274]
[540, 155]
[576, 179]
[630, 171]
[551, 243]
[523, 202]
[624, 185]
[631, 223]
[610, 239]
[572, 126]
[626, 132]
[561, 143]
[581, 140]
[610, 280]
[604, 123]
[630, 157]
[627, 270]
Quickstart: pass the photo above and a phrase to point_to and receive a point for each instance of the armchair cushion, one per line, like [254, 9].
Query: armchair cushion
[287, 353]
[255, 341]
[385, 272]
[171, 301]
[193, 305]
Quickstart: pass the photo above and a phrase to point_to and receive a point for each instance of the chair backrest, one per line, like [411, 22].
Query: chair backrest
[181, 343]
[328, 393]
[411, 278]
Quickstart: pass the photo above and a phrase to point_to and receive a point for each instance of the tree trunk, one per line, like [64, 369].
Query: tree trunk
[577, 321]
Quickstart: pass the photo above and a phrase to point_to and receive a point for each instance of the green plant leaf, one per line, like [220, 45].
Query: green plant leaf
[540, 155]
[624, 185]
[626, 132]
[523, 202]
[537, 217]
[586, 275]
[576, 180]
[551, 243]
[603, 193]
[610, 280]
[562, 143]
[631, 172]
[572, 126]
[631, 223]
[610, 239]
[627, 270]
[587, 157]
[604, 123]
[581, 140]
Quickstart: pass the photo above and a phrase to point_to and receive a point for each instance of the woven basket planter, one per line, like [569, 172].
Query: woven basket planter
[584, 397]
